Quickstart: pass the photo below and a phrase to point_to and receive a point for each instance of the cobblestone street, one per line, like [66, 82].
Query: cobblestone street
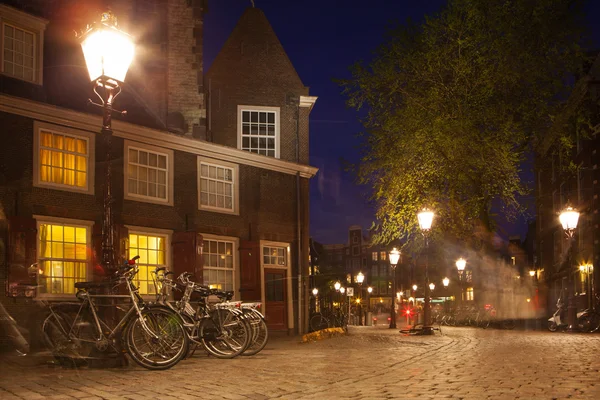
[370, 363]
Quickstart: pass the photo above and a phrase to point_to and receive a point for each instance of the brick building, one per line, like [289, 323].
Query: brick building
[557, 187]
[210, 172]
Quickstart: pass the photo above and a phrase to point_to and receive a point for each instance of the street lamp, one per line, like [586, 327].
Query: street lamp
[568, 219]
[446, 282]
[108, 52]
[532, 273]
[461, 264]
[394, 258]
[414, 287]
[431, 286]
[360, 278]
[315, 291]
[369, 291]
[425, 218]
[337, 286]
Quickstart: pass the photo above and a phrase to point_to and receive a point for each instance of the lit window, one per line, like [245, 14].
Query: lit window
[469, 294]
[218, 264]
[259, 128]
[374, 256]
[469, 276]
[151, 248]
[63, 158]
[217, 187]
[383, 256]
[513, 260]
[63, 257]
[274, 256]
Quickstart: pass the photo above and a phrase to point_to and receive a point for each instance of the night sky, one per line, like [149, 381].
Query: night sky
[323, 39]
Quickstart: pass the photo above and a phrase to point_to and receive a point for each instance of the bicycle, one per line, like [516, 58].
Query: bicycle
[154, 337]
[222, 330]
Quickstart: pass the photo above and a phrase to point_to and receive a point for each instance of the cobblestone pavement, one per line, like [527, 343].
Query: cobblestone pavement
[370, 363]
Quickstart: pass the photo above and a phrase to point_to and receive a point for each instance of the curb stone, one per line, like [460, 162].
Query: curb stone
[323, 334]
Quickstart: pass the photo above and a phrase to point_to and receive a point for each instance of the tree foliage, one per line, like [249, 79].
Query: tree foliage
[454, 105]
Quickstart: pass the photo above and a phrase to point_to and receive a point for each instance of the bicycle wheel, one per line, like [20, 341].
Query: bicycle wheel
[318, 322]
[584, 324]
[225, 334]
[159, 345]
[64, 350]
[261, 334]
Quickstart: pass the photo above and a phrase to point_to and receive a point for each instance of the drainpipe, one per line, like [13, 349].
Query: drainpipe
[298, 221]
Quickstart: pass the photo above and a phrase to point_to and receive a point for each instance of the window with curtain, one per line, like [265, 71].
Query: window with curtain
[152, 251]
[63, 159]
[63, 257]
[219, 264]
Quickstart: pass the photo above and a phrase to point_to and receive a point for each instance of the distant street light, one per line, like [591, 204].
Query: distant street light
[337, 286]
[425, 218]
[370, 289]
[394, 258]
[461, 264]
[315, 291]
[446, 282]
[532, 273]
[360, 278]
[431, 286]
[568, 219]
[414, 287]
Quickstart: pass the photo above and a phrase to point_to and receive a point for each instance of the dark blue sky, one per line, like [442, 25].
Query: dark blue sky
[323, 39]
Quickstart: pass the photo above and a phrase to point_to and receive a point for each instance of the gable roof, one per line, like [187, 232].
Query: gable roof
[254, 38]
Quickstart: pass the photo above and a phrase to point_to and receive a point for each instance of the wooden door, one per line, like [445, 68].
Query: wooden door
[276, 299]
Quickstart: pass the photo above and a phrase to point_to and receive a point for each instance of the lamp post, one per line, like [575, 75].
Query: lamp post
[425, 218]
[568, 219]
[369, 291]
[461, 264]
[315, 292]
[360, 278]
[394, 258]
[108, 52]
[446, 282]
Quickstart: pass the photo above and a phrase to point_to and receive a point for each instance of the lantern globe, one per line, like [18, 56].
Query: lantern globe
[425, 218]
[569, 218]
[394, 257]
[461, 263]
[108, 51]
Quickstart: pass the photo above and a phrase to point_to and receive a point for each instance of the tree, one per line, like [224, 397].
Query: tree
[454, 105]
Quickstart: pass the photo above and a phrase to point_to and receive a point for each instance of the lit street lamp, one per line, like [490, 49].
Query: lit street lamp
[461, 264]
[108, 52]
[532, 273]
[315, 291]
[360, 278]
[431, 286]
[394, 258]
[425, 219]
[568, 219]
[446, 282]
[369, 291]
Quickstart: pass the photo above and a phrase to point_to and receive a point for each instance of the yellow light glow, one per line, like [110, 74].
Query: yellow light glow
[425, 218]
[461, 263]
[528, 300]
[107, 51]
[532, 273]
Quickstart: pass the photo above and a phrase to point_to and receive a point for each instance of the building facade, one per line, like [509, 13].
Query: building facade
[208, 178]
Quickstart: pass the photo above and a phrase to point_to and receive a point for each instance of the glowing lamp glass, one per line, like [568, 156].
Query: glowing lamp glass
[107, 52]
[360, 278]
[425, 219]
[343, 290]
[569, 218]
[432, 286]
[370, 289]
[337, 285]
[461, 263]
[315, 291]
[394, 256]
[446, 282]
[414, 287]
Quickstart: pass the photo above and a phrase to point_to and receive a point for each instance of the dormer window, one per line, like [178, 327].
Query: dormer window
[22, 42]
[258, 130]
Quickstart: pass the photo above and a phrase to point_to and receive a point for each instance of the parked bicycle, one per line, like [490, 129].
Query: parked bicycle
[154, 337]
[223, 329]
[589, 320]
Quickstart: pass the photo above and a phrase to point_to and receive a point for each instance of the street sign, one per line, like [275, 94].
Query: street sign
[350, 291]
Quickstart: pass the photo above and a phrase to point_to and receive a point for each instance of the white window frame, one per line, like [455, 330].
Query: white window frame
[31, 24]
[166, 233]
[42, 219]
[170, 173]
[38, 126]
[277, 112]
[287, 268]
[236, 259]
[236, 185]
